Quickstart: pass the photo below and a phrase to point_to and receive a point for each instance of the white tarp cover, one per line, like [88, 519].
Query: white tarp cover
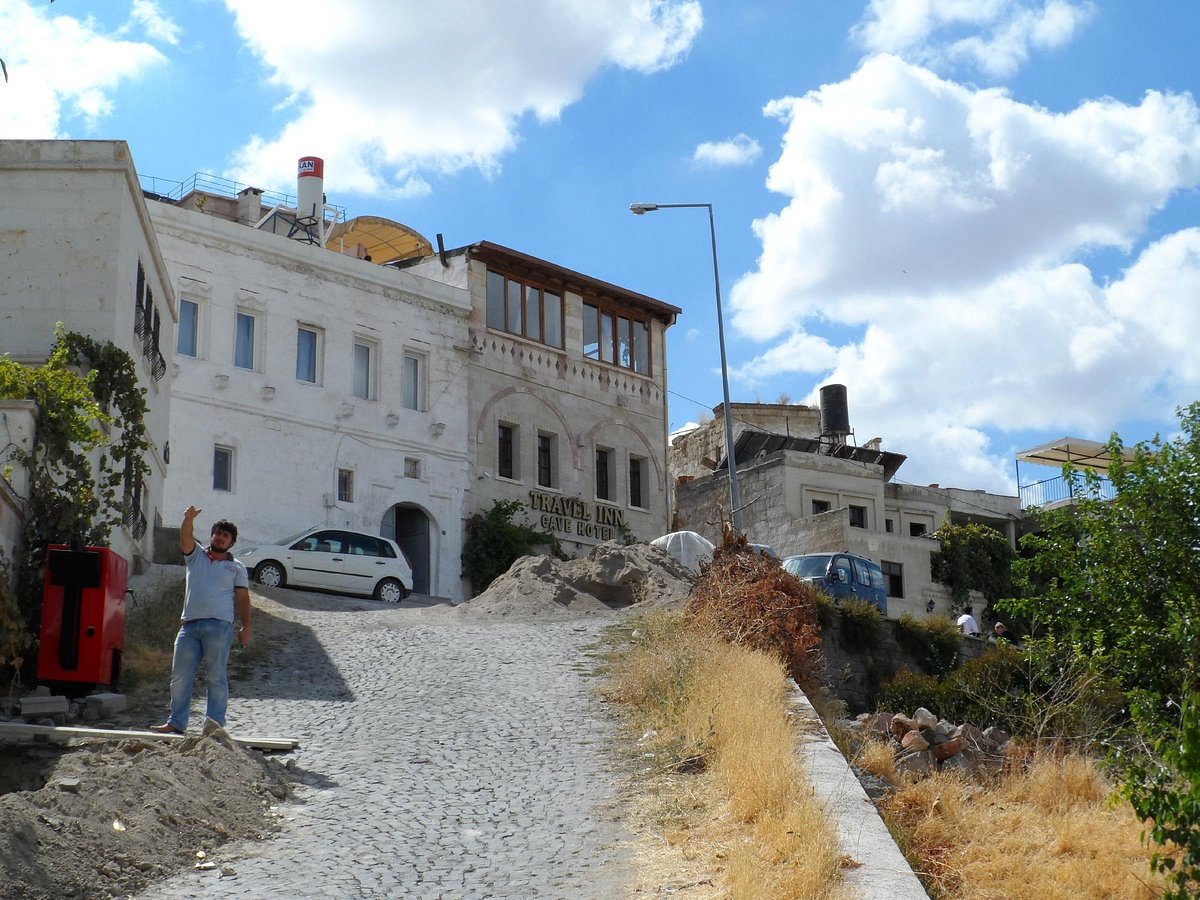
[689, 548]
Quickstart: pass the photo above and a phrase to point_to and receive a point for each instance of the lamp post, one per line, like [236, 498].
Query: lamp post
[735, 497]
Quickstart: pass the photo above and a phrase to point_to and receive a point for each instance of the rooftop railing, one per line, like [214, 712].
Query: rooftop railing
[1062, 489]
[222, 187]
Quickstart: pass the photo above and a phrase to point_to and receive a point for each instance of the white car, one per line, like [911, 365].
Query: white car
[333, 559]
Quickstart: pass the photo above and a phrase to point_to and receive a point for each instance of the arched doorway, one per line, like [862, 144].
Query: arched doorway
[408, 526]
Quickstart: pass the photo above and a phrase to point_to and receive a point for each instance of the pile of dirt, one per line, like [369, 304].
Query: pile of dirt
[108, 817]
[612, 576]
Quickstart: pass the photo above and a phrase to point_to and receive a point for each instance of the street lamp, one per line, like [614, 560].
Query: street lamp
[735, 497]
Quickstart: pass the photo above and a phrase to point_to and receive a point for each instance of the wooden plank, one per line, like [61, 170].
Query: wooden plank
[61, 734]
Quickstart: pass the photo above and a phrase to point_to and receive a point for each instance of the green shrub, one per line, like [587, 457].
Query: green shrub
[990, 690]
[861, 623]
[494, 542]
[910, 690]
[933, 642]
[826, 611]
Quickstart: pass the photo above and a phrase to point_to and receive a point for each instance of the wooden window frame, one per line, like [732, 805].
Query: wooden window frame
[609, 342]
[517, 321]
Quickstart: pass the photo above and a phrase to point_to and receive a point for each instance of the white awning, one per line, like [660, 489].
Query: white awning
[1080, 453]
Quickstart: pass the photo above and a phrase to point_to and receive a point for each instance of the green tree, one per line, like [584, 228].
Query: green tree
[1166, 793]
[1119, 580]
[1116, 583]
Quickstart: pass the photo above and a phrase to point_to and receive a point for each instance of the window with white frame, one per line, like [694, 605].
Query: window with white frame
[412, 467]
[187, 342]
[244, 341]
[222, 468]
[366, 354]
[308, 354]
[414, 381]
[345, 483]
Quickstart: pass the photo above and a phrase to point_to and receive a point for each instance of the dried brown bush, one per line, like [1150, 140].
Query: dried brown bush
[747, 598]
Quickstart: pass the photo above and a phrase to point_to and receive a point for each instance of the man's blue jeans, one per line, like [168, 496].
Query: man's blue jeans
[207, 641]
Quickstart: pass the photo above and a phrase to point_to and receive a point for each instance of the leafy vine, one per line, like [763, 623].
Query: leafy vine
[88, 399]
[973, 557]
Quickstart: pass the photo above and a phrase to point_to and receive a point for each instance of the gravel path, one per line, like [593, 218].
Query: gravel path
[444, 755]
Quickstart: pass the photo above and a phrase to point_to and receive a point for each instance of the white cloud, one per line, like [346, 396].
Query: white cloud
[61, 67]
[446, 88]
[994, 35]
[941, 223]
[157, 25]
[737, 151]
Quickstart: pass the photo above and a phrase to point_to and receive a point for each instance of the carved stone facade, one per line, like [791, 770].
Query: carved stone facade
[567, 396]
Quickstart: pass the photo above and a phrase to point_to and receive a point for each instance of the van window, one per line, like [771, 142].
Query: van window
[862, 572]
[842, 564]
[877, 580]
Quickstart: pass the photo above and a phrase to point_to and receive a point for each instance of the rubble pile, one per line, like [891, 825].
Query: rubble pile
[107, 818]
[612, 576]
[925, 744]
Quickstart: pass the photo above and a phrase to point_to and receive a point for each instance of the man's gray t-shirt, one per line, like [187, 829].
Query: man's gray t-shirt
[210, 586]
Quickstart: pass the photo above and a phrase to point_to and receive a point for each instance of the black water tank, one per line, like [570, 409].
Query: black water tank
[835, 416]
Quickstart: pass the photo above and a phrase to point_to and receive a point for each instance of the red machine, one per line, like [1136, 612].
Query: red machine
[83, 616]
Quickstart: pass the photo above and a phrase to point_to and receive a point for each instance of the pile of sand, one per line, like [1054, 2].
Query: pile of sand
[107, 818]
[612, 576]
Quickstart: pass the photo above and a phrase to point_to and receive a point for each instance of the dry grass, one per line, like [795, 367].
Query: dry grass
[150, 630]
[878, 758]
[1049, 828]
[743, 824]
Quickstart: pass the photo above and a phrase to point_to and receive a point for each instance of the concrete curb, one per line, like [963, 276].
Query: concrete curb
[883, 872]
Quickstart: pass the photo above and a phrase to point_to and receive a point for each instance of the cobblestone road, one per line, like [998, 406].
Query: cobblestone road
[445, 757]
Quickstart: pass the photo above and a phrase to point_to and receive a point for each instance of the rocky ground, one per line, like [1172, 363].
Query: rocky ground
[107, 818]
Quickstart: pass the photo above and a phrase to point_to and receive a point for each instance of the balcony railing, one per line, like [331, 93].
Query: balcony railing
[135, 521]
[225, 187]
[1062, 489]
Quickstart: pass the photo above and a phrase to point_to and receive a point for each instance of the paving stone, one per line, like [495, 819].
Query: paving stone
[443, 760]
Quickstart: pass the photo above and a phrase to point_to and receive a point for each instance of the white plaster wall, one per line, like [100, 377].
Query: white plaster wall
[16, 433]
[289, 437]
[73, 227]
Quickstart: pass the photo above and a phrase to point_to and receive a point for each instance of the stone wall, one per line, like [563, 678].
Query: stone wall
[699, 451]
[856, 674]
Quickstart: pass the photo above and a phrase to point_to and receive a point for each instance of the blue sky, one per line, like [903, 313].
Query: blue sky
[981, 217]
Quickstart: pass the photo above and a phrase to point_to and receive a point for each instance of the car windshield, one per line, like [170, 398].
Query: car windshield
[814, 566]
[291, 539]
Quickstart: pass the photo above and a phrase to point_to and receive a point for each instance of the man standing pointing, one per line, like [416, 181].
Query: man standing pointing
[217, 589]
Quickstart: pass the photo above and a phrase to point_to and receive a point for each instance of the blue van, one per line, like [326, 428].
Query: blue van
[841, 575]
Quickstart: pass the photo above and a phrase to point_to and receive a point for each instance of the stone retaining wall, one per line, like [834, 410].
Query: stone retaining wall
[856, 674]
